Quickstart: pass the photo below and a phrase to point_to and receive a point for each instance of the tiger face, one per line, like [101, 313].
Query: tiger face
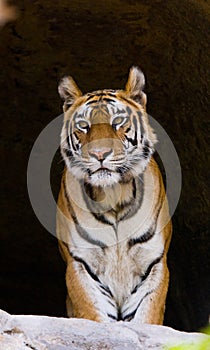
[106, 138]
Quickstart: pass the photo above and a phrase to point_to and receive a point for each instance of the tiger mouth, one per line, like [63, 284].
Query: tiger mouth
[102, 170]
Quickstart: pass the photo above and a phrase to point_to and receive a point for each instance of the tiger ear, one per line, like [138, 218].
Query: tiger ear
[68, 91]
[134, 86]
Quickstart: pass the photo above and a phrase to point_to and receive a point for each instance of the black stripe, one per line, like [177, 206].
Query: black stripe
[122, 170]
[89, 97]
[81, 231]
[68, 153]
[106, 289]
[130, 140]
[112, 94]
[155, 262]
[67, 134]
[100, 95]
[137, 202]
[76, 136]
[151, 232]
[124, 205]
[129, 111]
[133, 141]
[147, 150]
[72, 141]
[113, 317]
[70, 137]
[106, 295]
[87, 267]
[146, 274]
[136, 288]
[90, 102]
[101, 218]
[135, 126]
[87, 191]
[118, 317]
[134, 188]
[106, 99]
[131, 315]
[141, 124]
[142, 239]
[111, 303]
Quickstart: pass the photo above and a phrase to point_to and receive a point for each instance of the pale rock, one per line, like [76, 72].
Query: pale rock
[49, 333]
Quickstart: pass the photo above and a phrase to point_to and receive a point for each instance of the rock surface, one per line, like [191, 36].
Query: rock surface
[45, 333]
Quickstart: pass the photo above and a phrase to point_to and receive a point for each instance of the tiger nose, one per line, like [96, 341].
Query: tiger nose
[100, 154]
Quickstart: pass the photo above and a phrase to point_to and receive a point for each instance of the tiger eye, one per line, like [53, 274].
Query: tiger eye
[118, 120]
[82, 124]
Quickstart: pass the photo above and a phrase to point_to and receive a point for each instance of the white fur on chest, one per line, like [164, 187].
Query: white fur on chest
[117, 266]
[116, 231]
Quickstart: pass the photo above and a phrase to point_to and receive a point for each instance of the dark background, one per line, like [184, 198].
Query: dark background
[97, 42]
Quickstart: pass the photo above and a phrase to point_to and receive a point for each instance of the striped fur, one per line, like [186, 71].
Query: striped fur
[113, 223]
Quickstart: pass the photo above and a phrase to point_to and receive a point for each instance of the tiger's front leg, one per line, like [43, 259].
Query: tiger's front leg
[87, 297]
[90, 299]
[146, 303]
[83, 295]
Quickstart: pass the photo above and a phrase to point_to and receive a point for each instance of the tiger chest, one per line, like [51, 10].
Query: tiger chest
[121, 267]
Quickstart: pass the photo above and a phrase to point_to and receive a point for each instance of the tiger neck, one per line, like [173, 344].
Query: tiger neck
[114, 202]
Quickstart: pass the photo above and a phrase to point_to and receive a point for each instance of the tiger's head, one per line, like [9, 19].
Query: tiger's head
[106, 137]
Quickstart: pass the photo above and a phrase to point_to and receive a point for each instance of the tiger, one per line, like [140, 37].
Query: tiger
[113, 223]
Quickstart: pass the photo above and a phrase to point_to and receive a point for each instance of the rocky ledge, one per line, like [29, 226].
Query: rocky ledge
[49, 333]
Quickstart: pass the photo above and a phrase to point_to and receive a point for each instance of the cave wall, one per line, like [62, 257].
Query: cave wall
[96, 42]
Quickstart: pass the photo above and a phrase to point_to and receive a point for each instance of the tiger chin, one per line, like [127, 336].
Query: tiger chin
[113, 222]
